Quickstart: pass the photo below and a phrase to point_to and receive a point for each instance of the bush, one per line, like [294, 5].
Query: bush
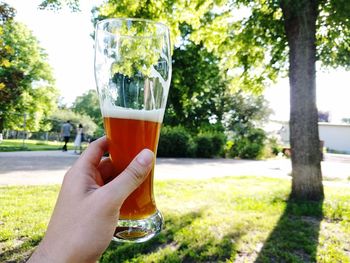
[276, 147]
[272, 148]
[248, 146]
[210, 145]
[178, 142]
[204, 146]
[219, 142]
[175, 142]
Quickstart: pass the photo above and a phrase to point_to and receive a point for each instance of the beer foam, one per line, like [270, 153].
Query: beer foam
[108, 110]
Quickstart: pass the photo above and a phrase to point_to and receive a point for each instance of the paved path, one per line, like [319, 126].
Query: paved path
[34, 168]
[49, 167]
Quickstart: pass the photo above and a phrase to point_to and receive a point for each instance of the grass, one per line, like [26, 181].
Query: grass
[31, 145]
[231, 219]
[24, 215]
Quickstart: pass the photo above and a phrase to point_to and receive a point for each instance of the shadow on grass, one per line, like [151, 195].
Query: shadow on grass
[180, 241]
[22, 252]
[295, 237]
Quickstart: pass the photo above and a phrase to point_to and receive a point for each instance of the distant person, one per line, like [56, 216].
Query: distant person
[65, 133]
[78, 139]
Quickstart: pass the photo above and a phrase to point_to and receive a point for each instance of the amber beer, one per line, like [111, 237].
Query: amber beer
[126, 138]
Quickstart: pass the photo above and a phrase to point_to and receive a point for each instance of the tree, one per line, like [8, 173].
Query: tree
[258, 47]
[300, 27]
[26, 82]
[6, 12]
[200, 95]
[198, 89]
[88, 104]
[259, 41]
[244, 115]
[36, 104]
[345, 120]
[59, 4]
[62, 115]
[299, 32]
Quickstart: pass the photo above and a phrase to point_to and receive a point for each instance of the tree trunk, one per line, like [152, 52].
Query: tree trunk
[300, 25]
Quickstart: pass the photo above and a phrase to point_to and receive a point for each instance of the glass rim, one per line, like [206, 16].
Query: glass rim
[147, 21]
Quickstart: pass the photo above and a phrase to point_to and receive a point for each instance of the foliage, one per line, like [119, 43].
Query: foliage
[346, 120]
[219, 33]
[6, 12]
[88, 104]
[248, 145]
[333, 33]
[26, 82]
[172, 13]
[254, 41]
[226, 219]
[175, 142]
[245, 110]
[198, 89]
[59, 4]
[38, 104]
[62, 115]
[201, 89]
[179, 142]
[204, 146]
[209, 144]
[247, 113]
[274, 146]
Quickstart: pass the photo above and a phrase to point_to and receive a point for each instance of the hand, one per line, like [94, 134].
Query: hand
[86, 212]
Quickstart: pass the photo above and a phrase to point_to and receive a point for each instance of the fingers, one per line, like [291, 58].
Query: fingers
[95, 151]
[125, 183]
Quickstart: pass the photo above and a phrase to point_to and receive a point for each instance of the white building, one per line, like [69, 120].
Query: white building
[336, 137]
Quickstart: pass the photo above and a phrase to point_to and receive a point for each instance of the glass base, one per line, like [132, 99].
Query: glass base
[140, 230]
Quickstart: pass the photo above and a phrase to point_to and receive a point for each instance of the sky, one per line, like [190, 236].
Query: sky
[66, 38]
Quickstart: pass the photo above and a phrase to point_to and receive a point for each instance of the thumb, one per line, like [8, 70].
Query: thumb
[131, 178]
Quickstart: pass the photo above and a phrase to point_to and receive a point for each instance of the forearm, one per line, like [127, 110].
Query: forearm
[44, 254]
[41, 254]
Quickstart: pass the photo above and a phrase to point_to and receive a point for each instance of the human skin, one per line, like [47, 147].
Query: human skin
[85, 215]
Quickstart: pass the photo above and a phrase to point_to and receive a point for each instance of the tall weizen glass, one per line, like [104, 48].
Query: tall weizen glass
[133, 71]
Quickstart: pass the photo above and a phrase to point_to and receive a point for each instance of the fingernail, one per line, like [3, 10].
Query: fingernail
[145, 157]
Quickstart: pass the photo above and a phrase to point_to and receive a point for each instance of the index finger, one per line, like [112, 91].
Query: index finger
[95, 151]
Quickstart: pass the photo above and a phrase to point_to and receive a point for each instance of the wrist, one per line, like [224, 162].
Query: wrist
[49, 251]
[41, 254]
[53, 252]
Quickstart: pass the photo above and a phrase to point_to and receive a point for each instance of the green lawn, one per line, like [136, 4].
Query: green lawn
[31, 145]
[232, 219]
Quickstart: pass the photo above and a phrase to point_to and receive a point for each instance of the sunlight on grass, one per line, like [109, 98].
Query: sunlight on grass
[24, 215]
[31, 145]
[232, 219]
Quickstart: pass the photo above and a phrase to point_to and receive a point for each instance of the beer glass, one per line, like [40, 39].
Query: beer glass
[132, 72]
